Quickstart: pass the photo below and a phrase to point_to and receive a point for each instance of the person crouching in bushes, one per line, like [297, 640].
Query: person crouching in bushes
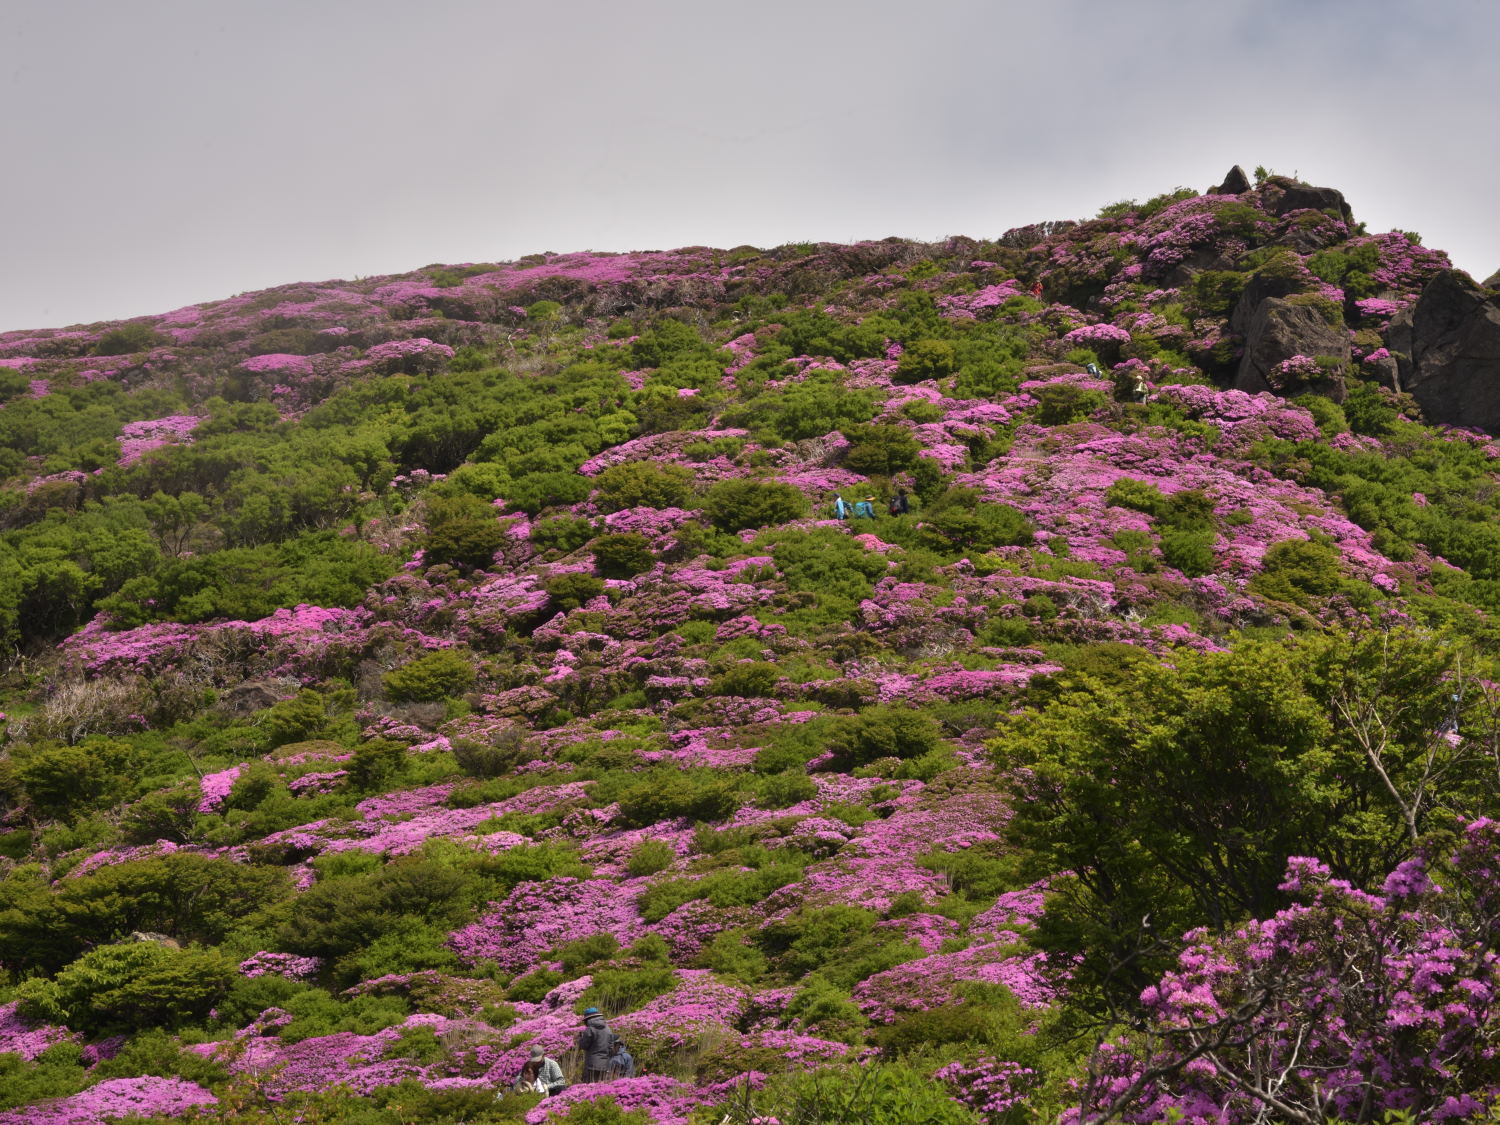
[596, 1043]
[622, 1062]
[540, 1075]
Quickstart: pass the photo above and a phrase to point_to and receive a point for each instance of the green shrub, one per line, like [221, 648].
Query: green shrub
[926, 359]
[1139, 495]
[605, 1111]
[54, 1073]
[1303, 572]
[504, 750]
[461, 530]
[782, 790]
[1191, 552]
[377, 764]
[570, 590]
[649, 857]
[959, 519]
[1369, 410]
[564, 534]
[752, 679]
[693, 794]
[643, 484]
[880, 449]
[885, 731]
[432, 676]
[622, 556]
[295, 720]
[736, 504]
[156, 1052]
[129, 987]
[535, 492]
[1063, 403]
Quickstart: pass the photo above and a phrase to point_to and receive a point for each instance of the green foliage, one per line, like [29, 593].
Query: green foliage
[192, 898]
[340, 915]
[649, 857]
[1369, 410]
[563, 534]
[129, 987]
[1256, 757]
[65, 782]
[959, 520]
[127, 339]
[822, 1008]
[1062, 403]
[926, 359]
[643, 484]
[572, 589]
[434, 675]
[605, 1111]
[881, 450]
[696, 795]
[461, 530]
[752, 679]
[1127, 492]
[885, 731]
[735, 504]
[154, 1051]
[1304, 572]
[54, 1073]
[623, 556]
[1191, 552]
[875, 1094]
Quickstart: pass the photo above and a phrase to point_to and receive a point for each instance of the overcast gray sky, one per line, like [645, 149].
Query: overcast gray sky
[165, 152]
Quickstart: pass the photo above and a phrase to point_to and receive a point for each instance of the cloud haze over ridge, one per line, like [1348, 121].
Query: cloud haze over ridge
[168, 152]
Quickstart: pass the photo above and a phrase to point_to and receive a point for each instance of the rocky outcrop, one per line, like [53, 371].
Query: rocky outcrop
[1262, 286]
[1493, 281]
[1281, 331]
[1448, 350]
[1281, 196]
[1236, 183]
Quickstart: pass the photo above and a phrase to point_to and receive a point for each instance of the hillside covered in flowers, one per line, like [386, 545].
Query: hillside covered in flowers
[395, 668]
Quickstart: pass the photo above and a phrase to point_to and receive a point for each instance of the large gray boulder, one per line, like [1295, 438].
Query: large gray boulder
[1281, 330]
[1448, 350]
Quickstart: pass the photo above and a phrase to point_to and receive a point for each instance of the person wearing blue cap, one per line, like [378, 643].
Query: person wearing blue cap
[596, 1043]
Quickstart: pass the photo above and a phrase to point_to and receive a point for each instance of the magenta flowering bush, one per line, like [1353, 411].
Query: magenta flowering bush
[1346, 1002]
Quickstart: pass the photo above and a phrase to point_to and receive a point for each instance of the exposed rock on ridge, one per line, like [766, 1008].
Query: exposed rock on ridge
[1448, 350]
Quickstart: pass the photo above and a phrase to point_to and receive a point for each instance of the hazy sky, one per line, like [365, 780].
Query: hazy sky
[165, 152]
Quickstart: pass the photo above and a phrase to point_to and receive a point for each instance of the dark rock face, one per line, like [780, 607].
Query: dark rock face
[1236, 183]
[1448, 349]
[1260, 288]
[1280, 330]
[1493, 281]
[1281, 196]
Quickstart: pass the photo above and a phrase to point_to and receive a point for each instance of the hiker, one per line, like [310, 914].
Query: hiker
[596, 1042]
[865, 509]
[1092, 369]
[1141, 389]
[622, 1062]
[1036, 289]
[540, 1075]
[899, 504]
[840, 507]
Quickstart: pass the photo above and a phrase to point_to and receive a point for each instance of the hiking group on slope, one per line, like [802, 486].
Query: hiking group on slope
[603, 1054]
[897, 505]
